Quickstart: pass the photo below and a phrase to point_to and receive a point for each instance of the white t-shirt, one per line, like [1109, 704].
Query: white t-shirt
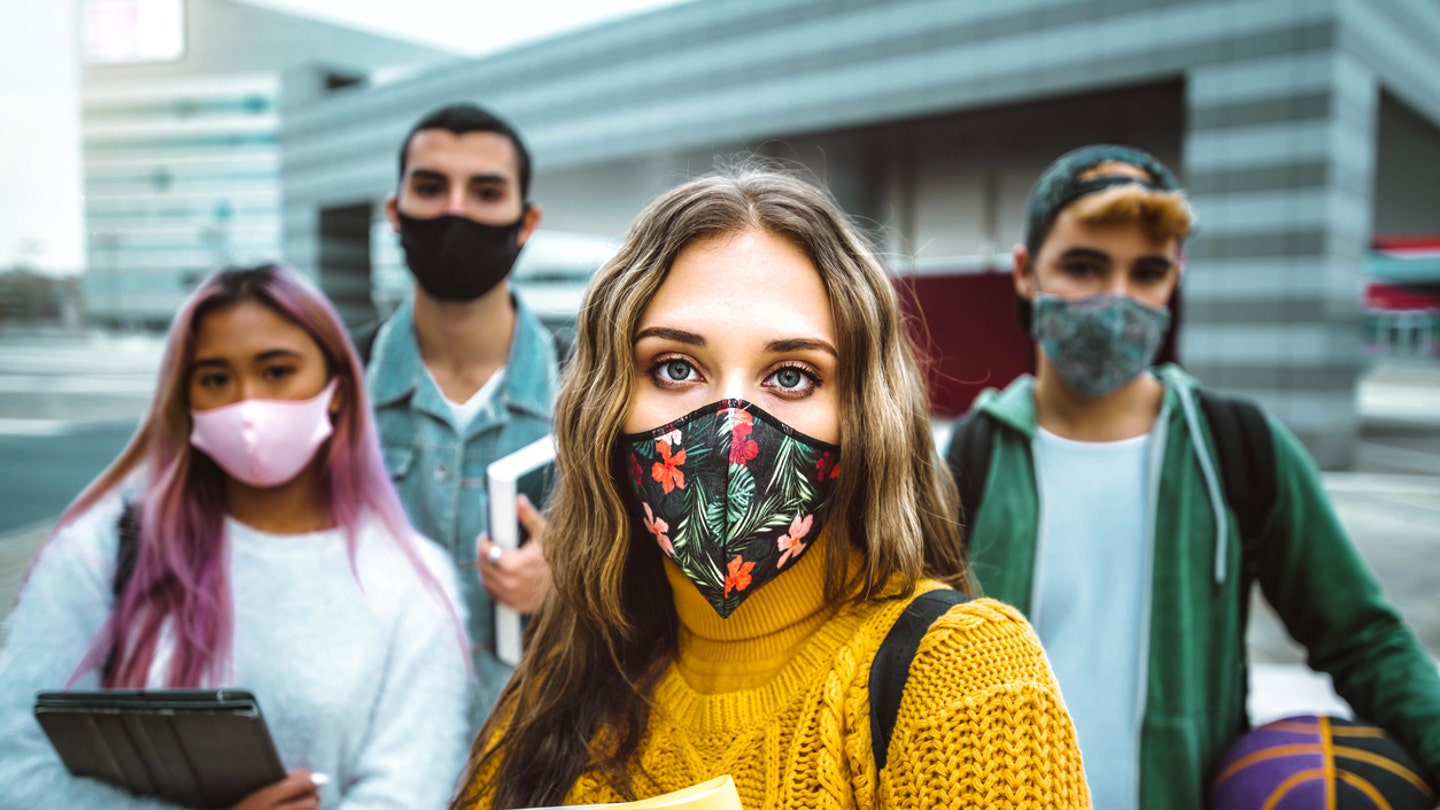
[363, 680]
[1094, 547]
[465, 412]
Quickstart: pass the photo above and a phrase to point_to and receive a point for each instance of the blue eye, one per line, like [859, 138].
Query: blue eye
[793, 381]
[677, 370]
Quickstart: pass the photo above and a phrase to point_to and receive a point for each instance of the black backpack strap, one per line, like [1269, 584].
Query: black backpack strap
[891, 668]
[129, 548]
[1246, 453]
[968, 456]
[127, 551]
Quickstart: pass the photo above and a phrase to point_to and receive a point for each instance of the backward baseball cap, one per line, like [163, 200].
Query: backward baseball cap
[1060, 184]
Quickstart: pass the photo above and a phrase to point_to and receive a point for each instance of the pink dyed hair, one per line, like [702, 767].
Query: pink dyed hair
[180, 573]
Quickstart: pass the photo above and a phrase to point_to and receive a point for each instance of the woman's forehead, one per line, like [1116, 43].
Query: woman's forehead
[744, 281]
[249, 327]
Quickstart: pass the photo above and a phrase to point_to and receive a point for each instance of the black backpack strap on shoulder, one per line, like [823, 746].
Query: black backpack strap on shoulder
[1246, 454]
[891, 668]
[126, 553]
[971, 444]
[128, 550]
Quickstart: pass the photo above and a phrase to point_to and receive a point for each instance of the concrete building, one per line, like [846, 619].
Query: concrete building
[181, 139]
[1298, 126]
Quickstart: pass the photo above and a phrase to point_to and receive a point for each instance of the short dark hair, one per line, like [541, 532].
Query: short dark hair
[459, 119]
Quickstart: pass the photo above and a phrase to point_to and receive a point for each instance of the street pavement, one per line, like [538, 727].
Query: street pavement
[68, 404]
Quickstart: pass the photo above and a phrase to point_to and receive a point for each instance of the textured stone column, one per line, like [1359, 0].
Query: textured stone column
[1279, 159]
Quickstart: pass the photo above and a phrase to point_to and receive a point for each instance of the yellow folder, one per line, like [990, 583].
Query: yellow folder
[716, 794]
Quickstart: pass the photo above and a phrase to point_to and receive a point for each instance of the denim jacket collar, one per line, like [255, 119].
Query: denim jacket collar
[397, 371]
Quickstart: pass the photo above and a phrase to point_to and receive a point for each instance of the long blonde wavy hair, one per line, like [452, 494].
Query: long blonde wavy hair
[579, 700]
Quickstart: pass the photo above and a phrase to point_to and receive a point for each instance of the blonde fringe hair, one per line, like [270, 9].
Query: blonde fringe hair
[1163, 215]
[608, 627]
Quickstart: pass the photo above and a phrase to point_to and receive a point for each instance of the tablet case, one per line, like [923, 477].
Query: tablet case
[202, 748]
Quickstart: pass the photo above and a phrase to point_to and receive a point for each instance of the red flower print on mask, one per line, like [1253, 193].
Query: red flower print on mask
[790, 541]
[827, 466]
[742, 447]
[667, 470]
[737, 574]
[658, 527]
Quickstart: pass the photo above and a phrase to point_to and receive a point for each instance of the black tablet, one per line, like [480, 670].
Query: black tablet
[199, 748]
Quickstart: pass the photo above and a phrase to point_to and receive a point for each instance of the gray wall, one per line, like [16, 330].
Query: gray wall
[929, 118]
[1407, 171]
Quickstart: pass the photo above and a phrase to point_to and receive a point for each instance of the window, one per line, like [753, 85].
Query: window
[120, 31]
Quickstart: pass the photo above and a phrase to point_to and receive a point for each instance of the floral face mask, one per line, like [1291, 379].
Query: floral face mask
[1098, 342]
[731, 494]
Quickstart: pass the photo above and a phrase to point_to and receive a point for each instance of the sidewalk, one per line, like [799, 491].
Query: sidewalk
[16, 550]
[53, 383]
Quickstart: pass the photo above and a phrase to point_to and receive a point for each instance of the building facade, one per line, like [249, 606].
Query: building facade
[181, 140]
[929, 120]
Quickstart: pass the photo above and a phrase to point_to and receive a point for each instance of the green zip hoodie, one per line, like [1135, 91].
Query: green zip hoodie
[1196, 676]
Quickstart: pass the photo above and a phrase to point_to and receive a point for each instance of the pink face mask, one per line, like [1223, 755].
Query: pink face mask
[264, 442]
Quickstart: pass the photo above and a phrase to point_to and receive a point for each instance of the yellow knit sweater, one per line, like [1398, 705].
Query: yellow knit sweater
[776, 696]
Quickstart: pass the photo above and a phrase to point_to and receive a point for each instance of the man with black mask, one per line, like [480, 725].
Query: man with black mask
[463, 373]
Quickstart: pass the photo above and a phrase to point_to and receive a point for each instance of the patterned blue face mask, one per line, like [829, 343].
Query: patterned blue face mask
[1098, 342]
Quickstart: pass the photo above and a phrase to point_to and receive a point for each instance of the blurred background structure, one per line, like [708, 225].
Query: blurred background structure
[212, 132]
[1302, 128]
[182, 155]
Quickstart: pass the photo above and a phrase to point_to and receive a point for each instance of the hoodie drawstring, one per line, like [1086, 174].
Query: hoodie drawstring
[1212, 484]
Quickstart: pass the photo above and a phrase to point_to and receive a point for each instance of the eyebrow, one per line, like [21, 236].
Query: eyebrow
[213, 362]
[799, 345]
[781, 346]
[1101, 256]
[677, 335]
[1158, 261]
[1086, 253]
[495, 178]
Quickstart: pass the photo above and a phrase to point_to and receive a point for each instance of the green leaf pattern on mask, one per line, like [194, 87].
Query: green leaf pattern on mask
[734, 521]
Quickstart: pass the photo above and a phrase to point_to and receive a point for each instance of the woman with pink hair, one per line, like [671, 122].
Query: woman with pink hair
[264, 549]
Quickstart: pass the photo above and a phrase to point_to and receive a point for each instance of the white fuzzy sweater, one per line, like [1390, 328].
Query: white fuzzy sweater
[362, 680]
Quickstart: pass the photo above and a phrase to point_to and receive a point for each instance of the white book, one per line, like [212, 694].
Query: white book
[528, 470]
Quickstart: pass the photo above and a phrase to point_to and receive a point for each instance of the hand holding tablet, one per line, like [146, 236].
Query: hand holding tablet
[205, 748]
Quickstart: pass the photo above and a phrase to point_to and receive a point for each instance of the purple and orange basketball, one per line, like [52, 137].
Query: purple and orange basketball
[1324, 763]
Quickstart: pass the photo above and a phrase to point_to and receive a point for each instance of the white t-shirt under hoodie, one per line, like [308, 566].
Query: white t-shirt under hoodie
[1094, 548]
[363, 680]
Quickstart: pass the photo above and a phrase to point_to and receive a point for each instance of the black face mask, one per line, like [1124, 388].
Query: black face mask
[458, 259]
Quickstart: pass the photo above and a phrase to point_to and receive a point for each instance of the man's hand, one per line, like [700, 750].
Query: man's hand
[518, 578]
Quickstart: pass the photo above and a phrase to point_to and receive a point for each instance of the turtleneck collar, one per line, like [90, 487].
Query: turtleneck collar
[765, 633]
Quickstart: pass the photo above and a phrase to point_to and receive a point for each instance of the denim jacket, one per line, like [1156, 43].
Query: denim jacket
[439, 472]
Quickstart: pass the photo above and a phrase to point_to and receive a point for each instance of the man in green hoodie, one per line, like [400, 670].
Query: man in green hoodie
[1104, 517]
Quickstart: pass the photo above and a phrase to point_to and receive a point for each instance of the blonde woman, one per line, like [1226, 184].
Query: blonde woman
[749, 498]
